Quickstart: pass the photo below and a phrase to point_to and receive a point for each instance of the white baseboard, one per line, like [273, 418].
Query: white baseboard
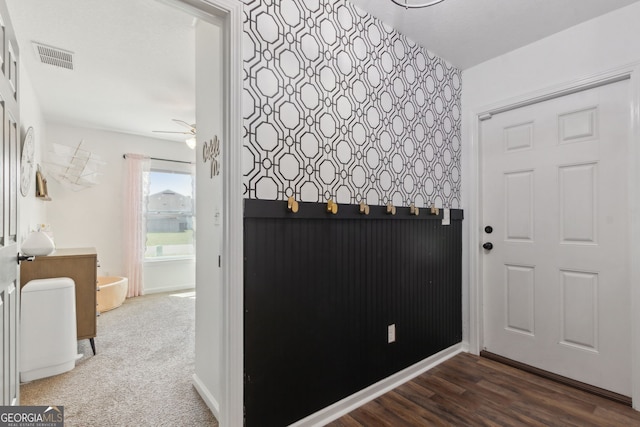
[348, 404]
[185, 287]
[208, 398]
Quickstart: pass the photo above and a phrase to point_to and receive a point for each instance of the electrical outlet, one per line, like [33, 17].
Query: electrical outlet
[391, 333]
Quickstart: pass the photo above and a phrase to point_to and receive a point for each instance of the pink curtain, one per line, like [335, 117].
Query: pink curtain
[135, 196]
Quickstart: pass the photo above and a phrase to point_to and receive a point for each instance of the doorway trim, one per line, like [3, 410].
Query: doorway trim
[475, 220]
[228, 15]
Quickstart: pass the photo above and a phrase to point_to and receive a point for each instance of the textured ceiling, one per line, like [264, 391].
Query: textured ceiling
[468, 32]
[134, 59]
[134, 62]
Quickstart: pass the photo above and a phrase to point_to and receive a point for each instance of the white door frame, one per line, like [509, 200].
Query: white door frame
[631, 72]
[228, 14]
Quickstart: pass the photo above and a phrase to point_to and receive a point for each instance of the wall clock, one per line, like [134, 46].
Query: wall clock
[27, 162]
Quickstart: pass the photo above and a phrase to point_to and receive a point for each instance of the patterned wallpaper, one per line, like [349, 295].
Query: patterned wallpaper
[338, 105]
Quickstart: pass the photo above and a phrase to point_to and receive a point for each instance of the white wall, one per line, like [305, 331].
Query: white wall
[209, 374]
[33, 211]
[93, 217]
[594, 47]
[169, 275]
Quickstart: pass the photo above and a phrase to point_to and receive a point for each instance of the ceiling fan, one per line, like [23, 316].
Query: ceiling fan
[191, 131]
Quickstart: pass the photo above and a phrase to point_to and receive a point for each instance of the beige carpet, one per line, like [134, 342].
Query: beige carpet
[141, 375]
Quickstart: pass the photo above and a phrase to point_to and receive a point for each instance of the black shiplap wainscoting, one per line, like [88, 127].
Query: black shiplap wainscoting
[321, 290]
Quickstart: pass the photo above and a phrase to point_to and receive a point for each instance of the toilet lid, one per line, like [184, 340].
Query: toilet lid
[39, 285]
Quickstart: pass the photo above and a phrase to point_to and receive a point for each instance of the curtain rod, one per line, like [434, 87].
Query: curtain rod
[124, 156]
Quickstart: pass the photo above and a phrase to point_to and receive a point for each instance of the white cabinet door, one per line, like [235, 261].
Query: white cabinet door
[556, 283]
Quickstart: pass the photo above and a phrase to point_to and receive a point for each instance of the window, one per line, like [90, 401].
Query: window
[170, 214]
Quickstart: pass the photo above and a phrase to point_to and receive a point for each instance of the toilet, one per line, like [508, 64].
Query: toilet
[48, 328]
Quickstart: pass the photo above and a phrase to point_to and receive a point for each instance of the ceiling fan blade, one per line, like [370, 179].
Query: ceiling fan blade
[192, 127]
[168, 131]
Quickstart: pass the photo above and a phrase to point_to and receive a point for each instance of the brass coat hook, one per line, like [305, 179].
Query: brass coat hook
[391, 210]
[413, 210]
[364, 208]
[434, 210]
[292, 205]
[332, 207]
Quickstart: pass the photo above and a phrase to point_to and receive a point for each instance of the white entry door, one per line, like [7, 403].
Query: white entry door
[9, 135]
[556, 282]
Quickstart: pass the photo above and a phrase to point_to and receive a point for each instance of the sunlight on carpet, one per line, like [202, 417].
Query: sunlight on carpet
[191, 295]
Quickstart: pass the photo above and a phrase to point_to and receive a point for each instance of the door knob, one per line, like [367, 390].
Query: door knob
[488, 246]
[21, 258]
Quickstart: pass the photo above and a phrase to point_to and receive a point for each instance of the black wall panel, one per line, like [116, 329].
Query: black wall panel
[320, 291]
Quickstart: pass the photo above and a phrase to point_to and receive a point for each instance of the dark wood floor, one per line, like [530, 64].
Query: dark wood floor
[471, 391]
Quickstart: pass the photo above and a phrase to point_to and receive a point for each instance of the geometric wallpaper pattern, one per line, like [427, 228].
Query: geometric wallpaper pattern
[338, 105]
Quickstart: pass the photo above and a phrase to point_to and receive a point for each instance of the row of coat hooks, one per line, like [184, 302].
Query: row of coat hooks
[332, 208]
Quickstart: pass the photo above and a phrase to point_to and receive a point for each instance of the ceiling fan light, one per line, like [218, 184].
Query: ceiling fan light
[191, 142]
[414, 4]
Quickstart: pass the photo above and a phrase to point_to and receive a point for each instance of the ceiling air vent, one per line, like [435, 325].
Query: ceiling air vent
[54, 56]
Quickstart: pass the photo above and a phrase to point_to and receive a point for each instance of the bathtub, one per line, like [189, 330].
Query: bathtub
[112, 290]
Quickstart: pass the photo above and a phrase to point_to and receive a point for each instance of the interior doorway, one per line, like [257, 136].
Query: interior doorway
[219, 310]
[225, 387]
